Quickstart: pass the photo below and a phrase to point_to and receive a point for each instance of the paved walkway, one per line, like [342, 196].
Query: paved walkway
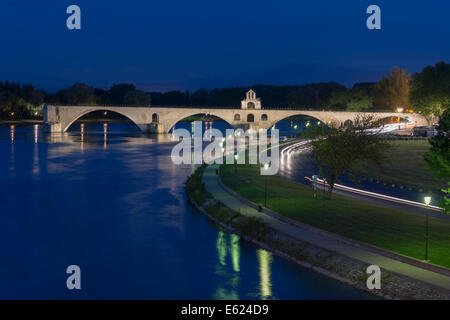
[210, 179]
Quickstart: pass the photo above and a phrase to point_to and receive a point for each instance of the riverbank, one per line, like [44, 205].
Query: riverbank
[405, 167]
[381, 226]
[326, 262]
[28, 121]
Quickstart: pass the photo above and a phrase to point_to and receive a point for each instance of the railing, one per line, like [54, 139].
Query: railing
[222, 107]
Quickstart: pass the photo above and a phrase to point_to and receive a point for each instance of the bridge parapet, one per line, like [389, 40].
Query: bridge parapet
[162, 119]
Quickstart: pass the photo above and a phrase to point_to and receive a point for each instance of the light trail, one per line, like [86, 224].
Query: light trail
[287, 151]
[379, 196]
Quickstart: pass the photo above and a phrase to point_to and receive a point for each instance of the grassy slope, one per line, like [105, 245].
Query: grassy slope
[392, 229]
[406, 166]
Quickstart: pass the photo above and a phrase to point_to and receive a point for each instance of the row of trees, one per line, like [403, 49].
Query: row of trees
[118, 94]
[22, 101]
[427, 92]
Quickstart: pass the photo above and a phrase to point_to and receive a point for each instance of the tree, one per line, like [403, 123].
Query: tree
[438, 158]
[78, 94]
[339, 150]
[430, 90]
[136, 98]
[392, 91]
[351, 100]
[117, 92]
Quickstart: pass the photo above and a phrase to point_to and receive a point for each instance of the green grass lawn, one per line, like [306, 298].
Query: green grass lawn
[381, 226]
[406, 166]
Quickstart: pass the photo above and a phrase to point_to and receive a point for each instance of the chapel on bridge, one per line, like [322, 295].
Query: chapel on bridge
[250, 101]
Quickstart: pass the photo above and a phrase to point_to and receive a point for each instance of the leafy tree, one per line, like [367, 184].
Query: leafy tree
[392, 91]
[430, 90]
[78, 94]
[339, 150]
[351, 100]
[117, 92]
[20, 100]
[136, 98]
[438, 158]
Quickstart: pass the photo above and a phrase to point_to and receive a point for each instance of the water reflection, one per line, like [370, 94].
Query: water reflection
[105, 134]
[235, 251]
[265, 258]
[12, 166]
[12, 129]
[36, 133]
[82, 135]
[229, 289]
[221, 246]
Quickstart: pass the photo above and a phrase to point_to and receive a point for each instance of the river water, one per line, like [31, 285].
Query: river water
[112, 202]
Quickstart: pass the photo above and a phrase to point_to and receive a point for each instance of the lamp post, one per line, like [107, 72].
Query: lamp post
[266, 167]
[427, 200]
[236, 157]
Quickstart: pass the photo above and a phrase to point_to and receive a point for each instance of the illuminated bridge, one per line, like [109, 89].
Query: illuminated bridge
[155, 119]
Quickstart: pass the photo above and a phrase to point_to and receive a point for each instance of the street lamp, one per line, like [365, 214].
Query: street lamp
[427, 200]
[266, 167]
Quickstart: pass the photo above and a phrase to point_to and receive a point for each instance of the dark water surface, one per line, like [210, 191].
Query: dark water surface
[114, 204]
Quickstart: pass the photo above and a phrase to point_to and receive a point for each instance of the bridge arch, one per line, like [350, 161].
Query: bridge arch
[348, 123]
[325, 119]
[79, 115]
[194, 113]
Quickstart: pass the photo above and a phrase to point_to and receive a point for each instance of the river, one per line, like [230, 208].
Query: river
[112, 202]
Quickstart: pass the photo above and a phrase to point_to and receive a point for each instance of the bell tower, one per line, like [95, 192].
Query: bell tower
[251, 102]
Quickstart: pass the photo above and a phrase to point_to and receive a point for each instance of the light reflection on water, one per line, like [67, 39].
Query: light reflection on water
[114, 204]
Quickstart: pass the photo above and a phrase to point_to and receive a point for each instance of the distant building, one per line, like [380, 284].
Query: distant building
[251, 102]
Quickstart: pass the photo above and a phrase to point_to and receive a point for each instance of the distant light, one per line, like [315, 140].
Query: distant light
[427, 200]
[318, 122]
[36, 113]
[236, 156]
[230, 136]
[221, 144]
[295, 127]
[105, 113]
[307, 124]
[266, 166]
[399, 109]
[12, 114]
[223, 139]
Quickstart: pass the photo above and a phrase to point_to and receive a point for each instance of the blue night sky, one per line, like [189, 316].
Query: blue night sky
[181, 44]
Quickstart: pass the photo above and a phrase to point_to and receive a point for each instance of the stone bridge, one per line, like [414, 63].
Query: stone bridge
[161, 119]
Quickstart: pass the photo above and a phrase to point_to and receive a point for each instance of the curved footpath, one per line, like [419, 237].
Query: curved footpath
[438, 278]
